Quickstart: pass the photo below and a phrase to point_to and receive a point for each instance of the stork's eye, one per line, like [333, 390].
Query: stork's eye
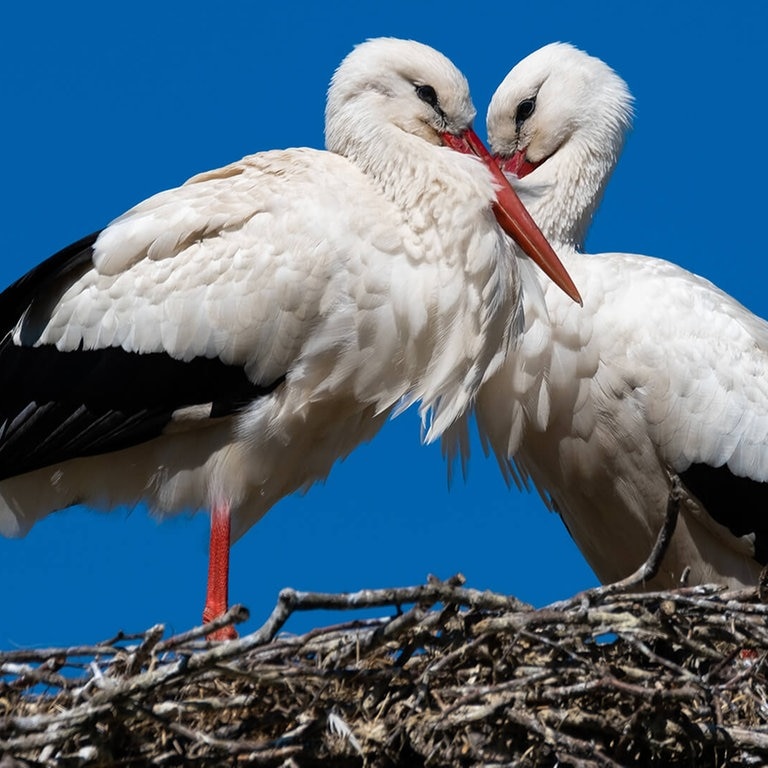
[427, 93]
[525, 109]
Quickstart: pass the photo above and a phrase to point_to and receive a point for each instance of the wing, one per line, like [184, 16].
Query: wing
[697, 361]
[196, 302]
[57, 404]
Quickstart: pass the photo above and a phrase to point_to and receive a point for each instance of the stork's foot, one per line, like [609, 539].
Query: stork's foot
[223, 633]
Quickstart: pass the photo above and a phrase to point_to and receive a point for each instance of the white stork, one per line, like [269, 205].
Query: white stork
[660, 372]
[222, 344]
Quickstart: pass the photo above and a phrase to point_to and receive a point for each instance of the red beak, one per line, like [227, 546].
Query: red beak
[512, 216]
[516, 164]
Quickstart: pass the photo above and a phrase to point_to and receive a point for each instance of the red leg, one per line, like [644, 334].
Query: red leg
[217, 597]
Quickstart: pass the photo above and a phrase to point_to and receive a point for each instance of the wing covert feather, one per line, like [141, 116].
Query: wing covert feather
[249, 286]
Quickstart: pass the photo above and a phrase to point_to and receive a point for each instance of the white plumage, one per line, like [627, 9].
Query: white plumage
[659, 373]
[222, 344]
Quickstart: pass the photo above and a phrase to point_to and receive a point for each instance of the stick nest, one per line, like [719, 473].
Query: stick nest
[449, 676]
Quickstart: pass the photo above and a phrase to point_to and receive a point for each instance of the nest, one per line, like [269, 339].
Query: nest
[449, 676]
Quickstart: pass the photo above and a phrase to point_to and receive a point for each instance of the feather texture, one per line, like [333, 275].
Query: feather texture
[659, 373]
[227, 341]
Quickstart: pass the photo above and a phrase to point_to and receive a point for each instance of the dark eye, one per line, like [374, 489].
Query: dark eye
[525, 109]
[427, 93]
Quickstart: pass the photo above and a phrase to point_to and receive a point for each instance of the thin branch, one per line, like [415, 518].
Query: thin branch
[651, 566]
[448, 676]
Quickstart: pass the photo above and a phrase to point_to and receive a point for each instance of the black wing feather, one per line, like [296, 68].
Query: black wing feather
[43, 286]
[738, 503]
[56, 405]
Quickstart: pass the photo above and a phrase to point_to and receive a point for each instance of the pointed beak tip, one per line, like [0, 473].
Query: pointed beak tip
[560, 277]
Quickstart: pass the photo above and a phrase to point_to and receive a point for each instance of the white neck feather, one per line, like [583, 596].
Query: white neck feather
[563, 194]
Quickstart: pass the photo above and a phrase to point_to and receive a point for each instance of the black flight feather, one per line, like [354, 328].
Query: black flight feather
[56, 405]
[738, 503]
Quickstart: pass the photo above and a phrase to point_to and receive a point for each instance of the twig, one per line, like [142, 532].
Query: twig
[651, 566]
[291, 600]
[483, 679]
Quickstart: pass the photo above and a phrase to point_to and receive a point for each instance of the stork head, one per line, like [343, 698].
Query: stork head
[557, 96]
[561, 116]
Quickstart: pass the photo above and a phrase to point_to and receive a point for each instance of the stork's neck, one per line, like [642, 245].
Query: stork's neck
[417, 176]
[563, 193]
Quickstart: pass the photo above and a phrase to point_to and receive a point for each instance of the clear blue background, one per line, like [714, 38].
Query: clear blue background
[104, 104]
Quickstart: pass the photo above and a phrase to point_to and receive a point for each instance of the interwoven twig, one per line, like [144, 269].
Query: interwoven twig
[447, 676]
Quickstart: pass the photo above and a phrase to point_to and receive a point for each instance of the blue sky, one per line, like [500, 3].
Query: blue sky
[105, 104]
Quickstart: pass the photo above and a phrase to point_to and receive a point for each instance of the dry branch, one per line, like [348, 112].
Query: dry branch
[665, 679]
[446, 676]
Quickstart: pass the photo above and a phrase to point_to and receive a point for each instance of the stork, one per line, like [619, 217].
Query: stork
[660, 374]
[222, 344]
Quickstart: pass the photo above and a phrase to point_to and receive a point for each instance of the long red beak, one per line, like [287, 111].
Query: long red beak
[512, 216]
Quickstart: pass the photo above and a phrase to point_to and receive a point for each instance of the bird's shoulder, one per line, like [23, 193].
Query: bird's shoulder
[283, 197]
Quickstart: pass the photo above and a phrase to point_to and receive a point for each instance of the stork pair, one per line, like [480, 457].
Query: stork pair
[222, 344]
